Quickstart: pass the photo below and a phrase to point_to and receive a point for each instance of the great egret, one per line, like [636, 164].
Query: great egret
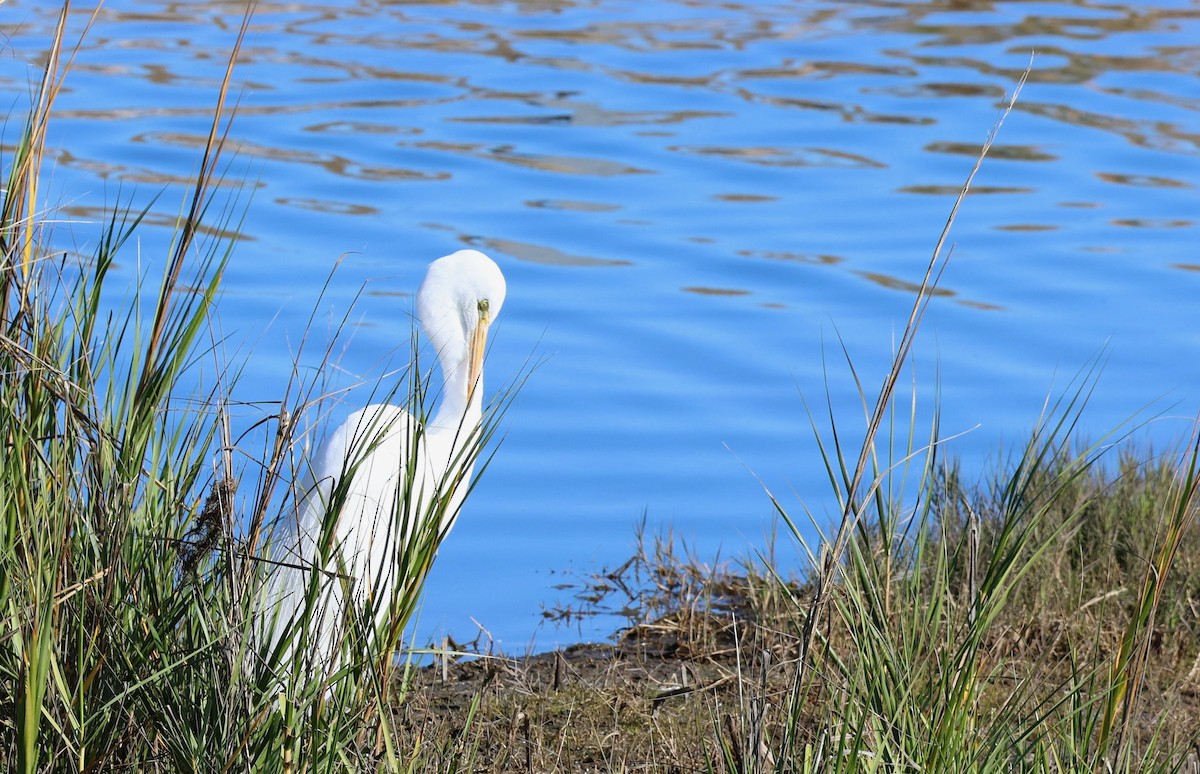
[383, 489]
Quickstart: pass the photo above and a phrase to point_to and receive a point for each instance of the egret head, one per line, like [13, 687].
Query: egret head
[460, 297]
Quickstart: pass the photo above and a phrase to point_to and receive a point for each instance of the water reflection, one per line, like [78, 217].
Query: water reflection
[745, 198]
[997, 151]
[847, 112]
[86, 214]
[1153, 222]
[1146, 181]
[541, 254]
[782, 157]
[819, 260]
[326, 206]
[1026, 227]
[976, 190]
[908, 287]
[573, 68]
[355, 128]
[582, 113]
[569, 204]
[1152, 135]
[568, 165]
[702, 291]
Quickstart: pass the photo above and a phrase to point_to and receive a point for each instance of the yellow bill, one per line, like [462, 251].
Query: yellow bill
[478, 345]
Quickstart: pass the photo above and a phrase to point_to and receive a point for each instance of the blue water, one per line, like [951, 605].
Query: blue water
[696, 205]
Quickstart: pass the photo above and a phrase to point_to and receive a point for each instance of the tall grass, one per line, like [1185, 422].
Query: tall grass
[903, 642]
[977, 633]
[99, 470]
[133, 531]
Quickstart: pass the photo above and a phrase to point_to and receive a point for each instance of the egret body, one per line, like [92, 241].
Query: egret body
[383, 489]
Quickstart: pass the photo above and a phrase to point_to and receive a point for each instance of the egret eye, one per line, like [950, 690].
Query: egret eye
[483, 308]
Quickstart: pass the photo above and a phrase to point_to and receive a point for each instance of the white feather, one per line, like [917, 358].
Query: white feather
[366, 461]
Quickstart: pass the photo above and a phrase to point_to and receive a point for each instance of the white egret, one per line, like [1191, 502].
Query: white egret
[384, 490]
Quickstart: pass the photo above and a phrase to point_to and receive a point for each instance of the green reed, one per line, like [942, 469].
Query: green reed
[133, 528]
[903, 635]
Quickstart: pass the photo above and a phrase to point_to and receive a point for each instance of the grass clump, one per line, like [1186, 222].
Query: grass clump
[134, 539]
[99, 472]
